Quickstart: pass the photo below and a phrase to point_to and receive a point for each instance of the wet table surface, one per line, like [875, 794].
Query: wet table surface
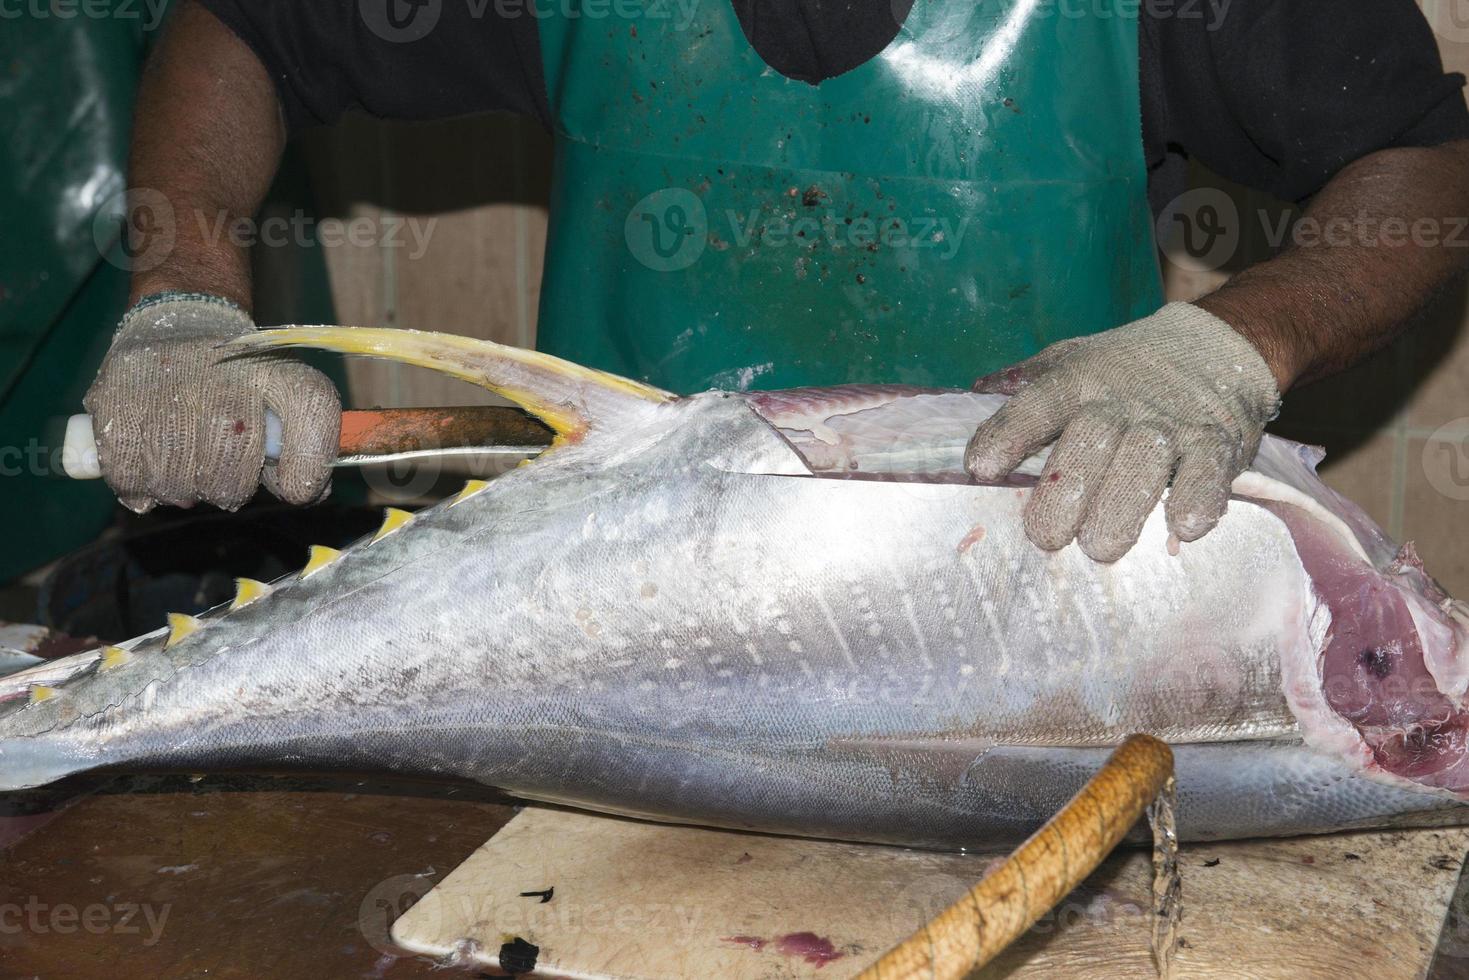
[301, 877]
[248, 877]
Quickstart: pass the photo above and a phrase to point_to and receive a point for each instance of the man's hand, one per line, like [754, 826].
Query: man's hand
[177, 421]
[1179, 392]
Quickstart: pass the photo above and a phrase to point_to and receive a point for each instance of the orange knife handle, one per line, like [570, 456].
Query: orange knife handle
[385, 431]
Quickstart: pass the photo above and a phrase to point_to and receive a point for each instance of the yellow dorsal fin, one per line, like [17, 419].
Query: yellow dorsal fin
[180, 627]
[113, 657]
[247, 590]
[568, 397]
[471, 487]
[393, 518]
[320, 557]
[43, 692]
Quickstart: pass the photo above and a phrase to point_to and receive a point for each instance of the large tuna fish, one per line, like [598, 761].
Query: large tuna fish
[793, 612]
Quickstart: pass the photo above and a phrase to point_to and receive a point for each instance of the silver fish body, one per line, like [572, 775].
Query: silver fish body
[683, 617]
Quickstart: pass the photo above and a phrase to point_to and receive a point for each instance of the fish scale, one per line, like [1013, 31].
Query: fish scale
[808, 621]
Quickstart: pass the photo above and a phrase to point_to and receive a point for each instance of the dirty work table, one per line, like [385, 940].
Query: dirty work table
[300, 878]
[243, 877]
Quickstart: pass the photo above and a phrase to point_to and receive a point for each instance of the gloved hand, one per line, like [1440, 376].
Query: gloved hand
[179, 421]
[1176, 391]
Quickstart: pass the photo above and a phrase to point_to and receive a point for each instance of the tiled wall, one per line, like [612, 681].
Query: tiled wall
[1396, 428]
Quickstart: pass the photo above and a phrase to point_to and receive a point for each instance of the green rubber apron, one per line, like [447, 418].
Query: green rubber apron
[970, 194]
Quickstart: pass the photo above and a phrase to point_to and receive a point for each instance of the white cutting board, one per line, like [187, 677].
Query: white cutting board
[637, 899]
[643, 900]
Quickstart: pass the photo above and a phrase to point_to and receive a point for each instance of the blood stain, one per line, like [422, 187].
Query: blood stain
[754, 942]
[814, 949]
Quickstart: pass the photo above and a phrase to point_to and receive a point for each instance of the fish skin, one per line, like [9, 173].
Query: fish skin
[675, 619]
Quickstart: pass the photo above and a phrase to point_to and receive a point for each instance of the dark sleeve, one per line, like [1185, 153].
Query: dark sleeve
[396, 59]
[1279, 95]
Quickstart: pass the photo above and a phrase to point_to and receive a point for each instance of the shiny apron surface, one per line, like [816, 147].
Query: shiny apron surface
[973, 192]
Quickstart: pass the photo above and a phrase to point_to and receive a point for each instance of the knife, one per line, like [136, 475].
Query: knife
[379, 435]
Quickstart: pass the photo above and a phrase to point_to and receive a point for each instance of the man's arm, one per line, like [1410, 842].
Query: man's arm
[1180, 399]
[1379, 241]
[208, 136]
[177, 422]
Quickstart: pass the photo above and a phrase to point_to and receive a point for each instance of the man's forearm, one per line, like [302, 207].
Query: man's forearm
[1379, 241]
[208, 137]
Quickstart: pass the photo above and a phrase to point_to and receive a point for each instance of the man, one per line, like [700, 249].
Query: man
[779, 192]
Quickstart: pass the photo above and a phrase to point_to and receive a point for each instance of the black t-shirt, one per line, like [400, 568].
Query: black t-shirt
[1277, 95]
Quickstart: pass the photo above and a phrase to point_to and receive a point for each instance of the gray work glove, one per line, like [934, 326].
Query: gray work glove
[1176, 392]
[178, 421]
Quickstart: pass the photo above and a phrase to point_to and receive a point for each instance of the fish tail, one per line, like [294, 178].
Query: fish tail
[27, 762]
[37, 743]
[568, 397]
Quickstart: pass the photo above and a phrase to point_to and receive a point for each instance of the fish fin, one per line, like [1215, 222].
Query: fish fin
[42, 693]
[180, 627]
[393, 518]
[113, 657]
[247, 590]
[471, 487]
[320, 557]
[568, 397]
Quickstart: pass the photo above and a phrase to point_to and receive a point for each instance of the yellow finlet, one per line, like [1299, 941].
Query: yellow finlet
[321, 556]
[471, 488]
[393, 518]
[113, 657]
[181, 627]
[247, 590]
[43, 692]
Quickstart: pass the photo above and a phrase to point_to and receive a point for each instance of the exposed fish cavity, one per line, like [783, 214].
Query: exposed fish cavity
[1385, 690]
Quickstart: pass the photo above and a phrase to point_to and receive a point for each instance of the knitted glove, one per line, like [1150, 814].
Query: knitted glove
[1177, 394]
[178, 421]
